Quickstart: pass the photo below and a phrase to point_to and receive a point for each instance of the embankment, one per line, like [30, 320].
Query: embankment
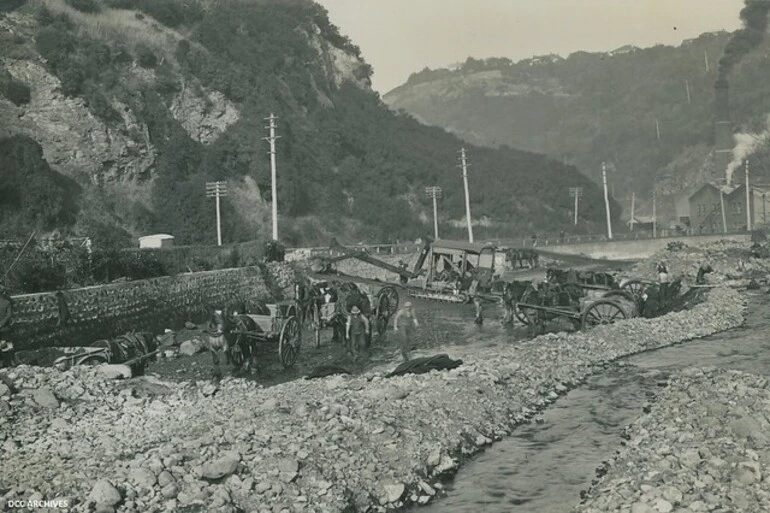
[703, 446]
[314, 446]
[638, 249]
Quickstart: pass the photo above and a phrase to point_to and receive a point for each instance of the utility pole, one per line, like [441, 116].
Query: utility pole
[657, 128]
[633, 201]
[434, 192]
[606, 201]
[271, 138]
[467, 195]
[748, 199]
[654, 213]
[722, 206]
[687, 88]
[576, 192]
[706, 58]
[217, 190]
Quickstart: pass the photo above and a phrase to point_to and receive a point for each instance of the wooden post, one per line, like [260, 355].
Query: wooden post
[722, 205]
[606, 201]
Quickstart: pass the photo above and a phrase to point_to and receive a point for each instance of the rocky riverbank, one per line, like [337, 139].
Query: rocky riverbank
[334, 444]
[703, 446]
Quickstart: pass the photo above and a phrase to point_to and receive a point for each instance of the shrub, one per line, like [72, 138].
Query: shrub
[39, 273]
[87, 6]
[145, 57]
[15, 90]
[10, 5]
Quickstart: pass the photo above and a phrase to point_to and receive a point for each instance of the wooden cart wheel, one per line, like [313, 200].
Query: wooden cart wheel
[603, 311]
[524, 314]
[289, 342]
[635, 287]
[316, 325]
[236, 351]
[387, 300]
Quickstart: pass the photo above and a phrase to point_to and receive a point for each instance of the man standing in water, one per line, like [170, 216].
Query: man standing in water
[409, 327]
[356, 331]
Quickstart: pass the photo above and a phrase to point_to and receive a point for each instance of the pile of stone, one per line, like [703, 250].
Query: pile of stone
[284, 276]
[355, 267]
[704, 446]
[732, 263]
[327, 445]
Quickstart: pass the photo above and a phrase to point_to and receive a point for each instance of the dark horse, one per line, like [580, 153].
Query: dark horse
[224, 334]
[520, 256]
[512, 293]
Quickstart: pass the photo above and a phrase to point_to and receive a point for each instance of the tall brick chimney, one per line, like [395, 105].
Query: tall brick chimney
[723, 128]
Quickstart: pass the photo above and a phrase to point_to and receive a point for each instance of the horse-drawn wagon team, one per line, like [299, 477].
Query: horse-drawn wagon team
[358, 314]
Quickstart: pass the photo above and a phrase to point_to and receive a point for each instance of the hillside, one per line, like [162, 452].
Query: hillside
[594, 107]
[139, 103]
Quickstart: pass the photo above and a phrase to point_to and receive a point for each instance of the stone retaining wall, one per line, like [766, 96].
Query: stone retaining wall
[92, 313]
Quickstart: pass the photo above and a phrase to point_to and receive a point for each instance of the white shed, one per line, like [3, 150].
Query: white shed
[159, 240]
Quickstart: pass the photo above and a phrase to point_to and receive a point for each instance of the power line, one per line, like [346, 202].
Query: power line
[576, 192]
[434, 192]
[271, 138]
[217, 190]
[464, 167]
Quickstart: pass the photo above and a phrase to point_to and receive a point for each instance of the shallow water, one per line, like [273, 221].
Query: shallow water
[544, 466]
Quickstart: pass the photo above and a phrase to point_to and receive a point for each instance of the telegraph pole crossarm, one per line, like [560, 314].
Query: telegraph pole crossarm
[274, 201]
[434, 192]
[217, 190]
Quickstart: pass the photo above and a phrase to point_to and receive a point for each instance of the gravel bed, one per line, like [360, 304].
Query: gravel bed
[703, 446]
[342, 443]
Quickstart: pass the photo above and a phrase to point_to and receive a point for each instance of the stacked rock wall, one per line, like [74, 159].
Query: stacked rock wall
[78, 317]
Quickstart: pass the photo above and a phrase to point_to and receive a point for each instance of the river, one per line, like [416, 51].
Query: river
[542, 467]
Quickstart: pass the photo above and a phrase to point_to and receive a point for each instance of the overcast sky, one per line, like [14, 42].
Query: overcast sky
[399, 37]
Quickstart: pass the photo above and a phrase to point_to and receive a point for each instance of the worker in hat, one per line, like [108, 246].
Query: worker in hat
[410, 323]
[704, 268]
[356, 331]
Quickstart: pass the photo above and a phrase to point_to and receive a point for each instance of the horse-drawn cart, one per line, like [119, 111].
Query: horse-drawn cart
[271, 322]
[585, 308]
[378, 305]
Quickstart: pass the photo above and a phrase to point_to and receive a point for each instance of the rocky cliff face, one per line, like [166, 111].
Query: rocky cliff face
[79, 144]
[75, 142]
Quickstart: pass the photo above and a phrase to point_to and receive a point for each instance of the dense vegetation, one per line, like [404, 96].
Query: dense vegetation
[32, 196]
[347, 165]
[594, 107]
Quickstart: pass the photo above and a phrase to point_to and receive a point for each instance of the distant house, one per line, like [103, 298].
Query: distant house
[682, 208]
[706, 208]
[644, 223]
[159, 240]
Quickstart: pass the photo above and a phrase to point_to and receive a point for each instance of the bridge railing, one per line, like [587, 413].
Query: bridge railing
[587, 239]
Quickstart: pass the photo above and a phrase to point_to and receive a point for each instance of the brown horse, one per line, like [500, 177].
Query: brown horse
[224, 334]
[512, 294]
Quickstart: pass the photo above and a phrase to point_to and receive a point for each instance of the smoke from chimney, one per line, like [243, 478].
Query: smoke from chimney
[727, 157]
[745, 145]
[754, 17]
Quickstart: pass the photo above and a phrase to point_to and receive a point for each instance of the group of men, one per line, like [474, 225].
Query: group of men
[358, 329]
